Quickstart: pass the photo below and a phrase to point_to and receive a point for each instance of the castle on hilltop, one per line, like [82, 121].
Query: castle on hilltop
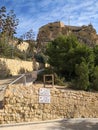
[85, 34]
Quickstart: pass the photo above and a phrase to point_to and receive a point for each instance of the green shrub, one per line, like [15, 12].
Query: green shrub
[59, 80]
[82, 79]
[95, 80]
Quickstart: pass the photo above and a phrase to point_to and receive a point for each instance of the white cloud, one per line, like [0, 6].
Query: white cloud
[36, 13]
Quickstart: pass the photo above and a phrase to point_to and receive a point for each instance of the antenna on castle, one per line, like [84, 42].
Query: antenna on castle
[90, 21]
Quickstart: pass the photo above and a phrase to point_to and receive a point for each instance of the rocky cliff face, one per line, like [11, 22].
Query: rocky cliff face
[85, 34]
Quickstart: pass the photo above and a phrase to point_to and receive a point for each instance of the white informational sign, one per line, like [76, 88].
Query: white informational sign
[44, 95]
[44, 91]
[44, 99]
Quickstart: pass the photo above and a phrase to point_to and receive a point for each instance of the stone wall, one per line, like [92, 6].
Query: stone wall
[21, 104]
[14, 66]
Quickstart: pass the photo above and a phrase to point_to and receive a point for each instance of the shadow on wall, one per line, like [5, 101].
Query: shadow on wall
[1, 105]
[76, 125]
[22, 71]
[4, 71]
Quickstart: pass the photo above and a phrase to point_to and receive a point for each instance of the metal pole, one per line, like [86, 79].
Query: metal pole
[24, 80]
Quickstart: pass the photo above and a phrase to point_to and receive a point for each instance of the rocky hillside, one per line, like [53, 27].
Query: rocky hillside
[23, 46]
[85, 34]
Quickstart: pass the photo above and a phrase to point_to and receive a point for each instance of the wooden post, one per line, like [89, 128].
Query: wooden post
[48, 81]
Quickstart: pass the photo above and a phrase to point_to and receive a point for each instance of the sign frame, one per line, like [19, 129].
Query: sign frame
[44, 95]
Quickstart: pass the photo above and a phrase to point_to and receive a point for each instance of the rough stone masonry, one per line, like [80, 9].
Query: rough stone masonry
[21, 104]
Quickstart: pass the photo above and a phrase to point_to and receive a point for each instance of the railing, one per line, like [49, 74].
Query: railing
[22, 76]
[28, 77]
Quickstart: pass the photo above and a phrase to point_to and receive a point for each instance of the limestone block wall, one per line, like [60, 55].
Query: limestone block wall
[14, 66]
[21, 104]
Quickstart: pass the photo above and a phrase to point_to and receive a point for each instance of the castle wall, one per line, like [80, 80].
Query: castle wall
[85, 34]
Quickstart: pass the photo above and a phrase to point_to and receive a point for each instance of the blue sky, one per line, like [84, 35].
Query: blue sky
[33, 14]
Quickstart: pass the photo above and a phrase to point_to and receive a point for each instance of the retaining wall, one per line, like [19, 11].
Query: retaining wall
[14, 66]
[21, 104]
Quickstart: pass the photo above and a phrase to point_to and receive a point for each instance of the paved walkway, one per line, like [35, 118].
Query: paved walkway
[67, 124]
[3, 84]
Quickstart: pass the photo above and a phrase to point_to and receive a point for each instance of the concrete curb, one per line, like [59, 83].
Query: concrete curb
[94, 120]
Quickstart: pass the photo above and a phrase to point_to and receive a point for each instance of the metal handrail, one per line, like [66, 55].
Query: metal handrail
[17, 79]
[24, 75]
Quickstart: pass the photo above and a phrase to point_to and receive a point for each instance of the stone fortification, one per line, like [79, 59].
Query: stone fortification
[21, 104]
[50, 31]
[85, 34]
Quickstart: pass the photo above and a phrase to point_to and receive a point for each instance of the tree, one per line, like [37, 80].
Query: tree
[65, 52]
[82, 76]
[29, 37]
[95, 49]
[8, 26]
[95, 78]
[8, 22]
[60, 52]
[2, 17]
[84, 52]
[30, 40]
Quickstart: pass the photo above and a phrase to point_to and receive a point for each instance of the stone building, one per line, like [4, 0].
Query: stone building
[85, 34]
